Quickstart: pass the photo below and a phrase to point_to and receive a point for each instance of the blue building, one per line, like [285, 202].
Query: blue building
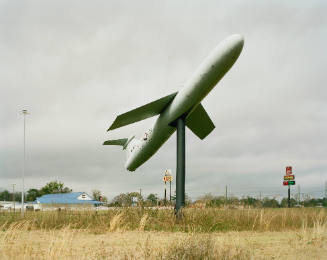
[67, 199]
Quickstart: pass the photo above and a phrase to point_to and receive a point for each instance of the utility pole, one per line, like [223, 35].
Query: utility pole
[260, 195]
[140, 192]
[13, 195]
[24, 112]
[226, 195]
[299, 194]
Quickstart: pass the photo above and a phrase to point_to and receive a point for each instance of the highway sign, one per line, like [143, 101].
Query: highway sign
[289, 177]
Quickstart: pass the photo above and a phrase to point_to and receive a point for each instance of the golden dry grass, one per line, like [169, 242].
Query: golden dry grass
[130, 235]
[68, 243]
[194, 220]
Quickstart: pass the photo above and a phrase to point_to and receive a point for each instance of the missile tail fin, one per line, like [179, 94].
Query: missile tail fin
[122, 142]
[199, 122]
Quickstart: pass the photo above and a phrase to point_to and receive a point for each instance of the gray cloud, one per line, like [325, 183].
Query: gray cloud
[76, 65]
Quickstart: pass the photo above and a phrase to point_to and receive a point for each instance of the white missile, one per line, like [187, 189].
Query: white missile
[186, 103]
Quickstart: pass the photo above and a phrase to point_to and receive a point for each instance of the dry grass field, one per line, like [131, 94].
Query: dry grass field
[155, 234]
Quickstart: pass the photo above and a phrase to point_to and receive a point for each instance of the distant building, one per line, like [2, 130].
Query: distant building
[11, 206]
[8, 205]
[63, 200]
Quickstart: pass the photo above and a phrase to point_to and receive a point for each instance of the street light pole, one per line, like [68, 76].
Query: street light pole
[24, 112]
[13, 195]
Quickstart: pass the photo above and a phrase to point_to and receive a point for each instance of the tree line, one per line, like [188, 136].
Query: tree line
[51, 187]
[135, 198]
[32, 194]
[210, 200]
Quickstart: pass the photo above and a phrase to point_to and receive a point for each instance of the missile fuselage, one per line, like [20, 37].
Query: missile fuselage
[205, 78]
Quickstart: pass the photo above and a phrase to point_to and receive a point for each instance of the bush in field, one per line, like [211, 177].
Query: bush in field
[315, 202]
[250, 201]
[152, 200]
[216, 202]
[204, 247]
[284, 202]
[97, 195]
[126, 199]
[270, 203]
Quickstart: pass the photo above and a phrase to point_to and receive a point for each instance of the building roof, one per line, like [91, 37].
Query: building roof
[65, 198]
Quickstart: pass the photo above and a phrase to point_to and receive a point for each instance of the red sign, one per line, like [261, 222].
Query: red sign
[288, 170]
[289, 177]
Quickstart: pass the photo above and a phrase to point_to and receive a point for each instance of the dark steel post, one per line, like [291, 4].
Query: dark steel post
[289, 196]
[180, 167]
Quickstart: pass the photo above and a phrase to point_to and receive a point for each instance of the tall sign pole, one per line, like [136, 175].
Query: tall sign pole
[165, 200]
[167, 178]
[289, 179]
[289, 195]
[24, 112]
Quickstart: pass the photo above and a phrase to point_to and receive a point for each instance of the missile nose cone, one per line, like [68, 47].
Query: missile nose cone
[234, 44]
[237, 39]
[240, 40]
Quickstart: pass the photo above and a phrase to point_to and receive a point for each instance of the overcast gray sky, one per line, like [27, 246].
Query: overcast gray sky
[75, 65]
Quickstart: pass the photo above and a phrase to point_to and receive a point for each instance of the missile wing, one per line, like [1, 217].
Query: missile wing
[149, 110]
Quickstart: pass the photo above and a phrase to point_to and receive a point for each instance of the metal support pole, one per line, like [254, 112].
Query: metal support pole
[165, 200]
[289, 196]
[180, 167]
